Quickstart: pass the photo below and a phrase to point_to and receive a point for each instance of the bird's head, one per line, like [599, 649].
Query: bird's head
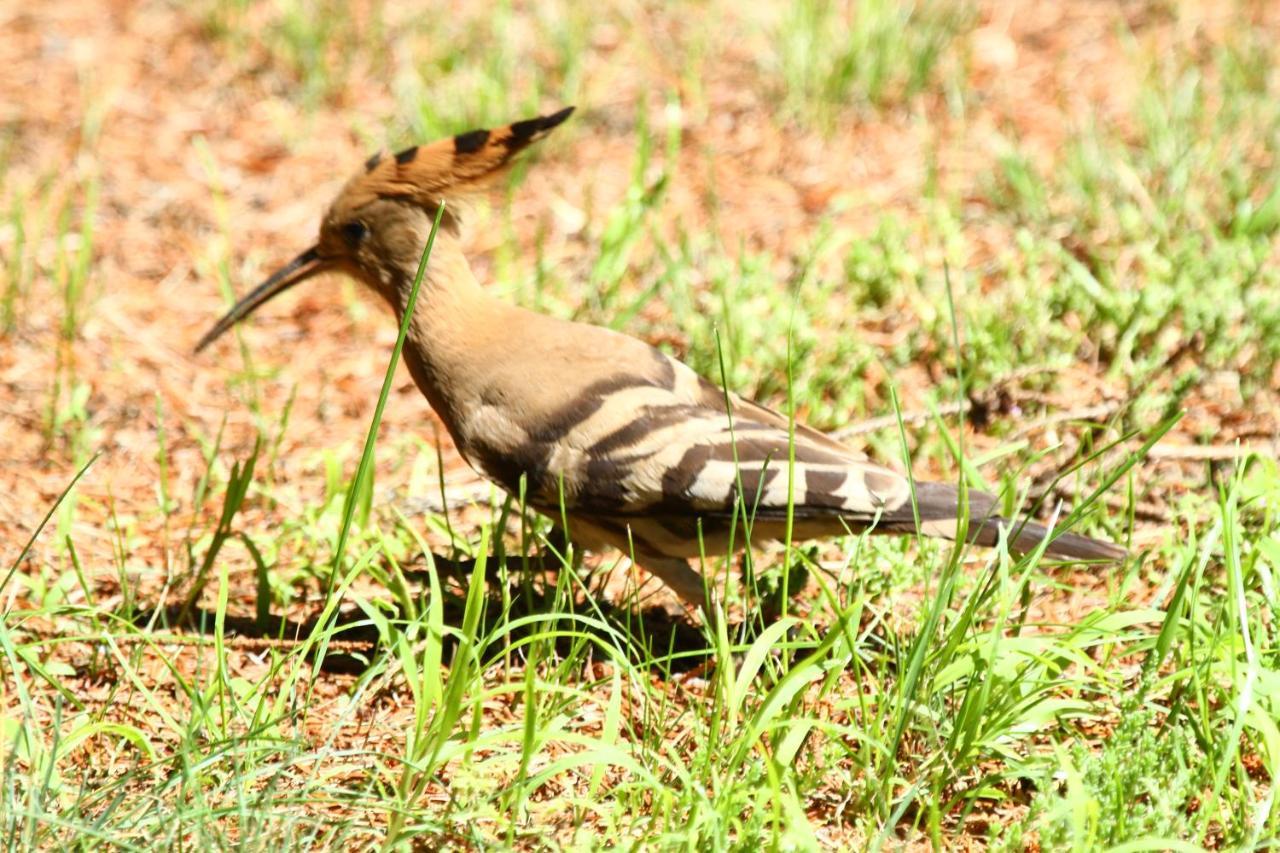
[376, 228]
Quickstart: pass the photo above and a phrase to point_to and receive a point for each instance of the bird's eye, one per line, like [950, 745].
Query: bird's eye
[353, 233]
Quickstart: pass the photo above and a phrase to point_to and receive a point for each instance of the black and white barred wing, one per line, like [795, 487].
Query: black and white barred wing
[682, 459]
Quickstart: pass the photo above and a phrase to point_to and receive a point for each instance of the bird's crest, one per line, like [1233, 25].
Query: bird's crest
[454, 169]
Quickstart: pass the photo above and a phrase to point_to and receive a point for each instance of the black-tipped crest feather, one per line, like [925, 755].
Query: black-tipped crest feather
[455, 168]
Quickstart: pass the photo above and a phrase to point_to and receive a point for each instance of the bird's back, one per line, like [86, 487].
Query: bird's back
[638, 444]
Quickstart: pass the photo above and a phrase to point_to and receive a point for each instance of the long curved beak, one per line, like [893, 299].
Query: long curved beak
[299, 269]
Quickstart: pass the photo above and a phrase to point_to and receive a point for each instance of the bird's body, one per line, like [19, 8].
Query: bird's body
[632, 447]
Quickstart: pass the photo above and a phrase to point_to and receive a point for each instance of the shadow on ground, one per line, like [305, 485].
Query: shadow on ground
[652, 633]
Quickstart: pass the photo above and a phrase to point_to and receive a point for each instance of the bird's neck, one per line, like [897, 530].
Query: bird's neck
[453, 327]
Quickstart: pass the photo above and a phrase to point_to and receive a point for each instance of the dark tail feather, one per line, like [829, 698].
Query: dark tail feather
[938, 503]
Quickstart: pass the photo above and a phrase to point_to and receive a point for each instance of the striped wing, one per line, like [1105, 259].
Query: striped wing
[619, 430]
[673, 488]
[693, 459]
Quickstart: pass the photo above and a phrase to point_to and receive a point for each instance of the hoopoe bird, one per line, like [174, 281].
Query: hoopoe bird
[639, 451]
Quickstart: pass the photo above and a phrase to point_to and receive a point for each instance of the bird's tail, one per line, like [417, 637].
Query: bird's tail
[938, 506]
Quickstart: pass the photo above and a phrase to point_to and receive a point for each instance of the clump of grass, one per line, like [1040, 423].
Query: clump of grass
[1140, 783]
[16, 267]
[484, 67]
[1152, 237]
[312, 47]
[67, 415]
[834, 55]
